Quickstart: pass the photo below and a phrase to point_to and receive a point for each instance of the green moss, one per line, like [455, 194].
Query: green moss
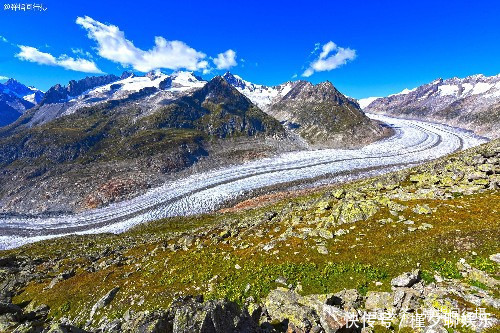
[478, 284]
[485, 264]
[427, 276]
[446, 269]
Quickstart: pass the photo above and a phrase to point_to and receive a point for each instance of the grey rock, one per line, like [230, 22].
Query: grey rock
[105, 300]
[147, 322]
[407, 279]
[9, 308]
[346, 299]
[285, 306]
[192, 315]
[378, 301]
[333, 319]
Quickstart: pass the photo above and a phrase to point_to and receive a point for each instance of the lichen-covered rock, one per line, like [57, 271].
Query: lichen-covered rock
[334, 320]
[325, 233]
[347, 299]
[424, 179]
[192, 315]
[284, 305]
[147, 322]
[379, 301]
[350, 212]
[422, 209]
[406, 300]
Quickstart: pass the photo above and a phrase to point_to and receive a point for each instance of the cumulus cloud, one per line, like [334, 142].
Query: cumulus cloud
[112, 45]
[225, 60]
[331, 57]
[32, 54]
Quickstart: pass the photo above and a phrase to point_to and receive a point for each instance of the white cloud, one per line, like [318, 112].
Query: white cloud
[3, 77]
[81, 52]
[3, 39]
[225, 60]
[328, 61]
[32, 54]
[112, 45]
[316, 48]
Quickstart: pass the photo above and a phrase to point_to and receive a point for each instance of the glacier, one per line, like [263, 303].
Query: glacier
[414, 142]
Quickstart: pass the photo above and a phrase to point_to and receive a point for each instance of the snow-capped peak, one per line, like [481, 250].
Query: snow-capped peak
[260, 95]
[15, 88]
[178, 81]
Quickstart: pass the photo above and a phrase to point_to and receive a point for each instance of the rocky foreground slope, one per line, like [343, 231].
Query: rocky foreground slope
[472, 103]
[423, 239]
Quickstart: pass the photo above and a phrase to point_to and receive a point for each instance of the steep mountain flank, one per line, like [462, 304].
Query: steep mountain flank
[116, 142]
[324, 117]
[320, 114]
[15, 99]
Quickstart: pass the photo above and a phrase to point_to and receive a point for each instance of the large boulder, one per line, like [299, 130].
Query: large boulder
[312, 313]
[347, 299]
[285, 306]
[192, 315]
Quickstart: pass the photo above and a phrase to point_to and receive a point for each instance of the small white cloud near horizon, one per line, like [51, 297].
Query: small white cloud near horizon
[3, 78]
[32, 54]
[112, 45]
[327, 61]
[226, 60]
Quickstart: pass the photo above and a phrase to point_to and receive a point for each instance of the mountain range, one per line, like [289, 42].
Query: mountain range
[102, 139]
[472, 102]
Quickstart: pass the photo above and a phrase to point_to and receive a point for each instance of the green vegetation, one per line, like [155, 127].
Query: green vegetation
[446, 269]
[485, 264]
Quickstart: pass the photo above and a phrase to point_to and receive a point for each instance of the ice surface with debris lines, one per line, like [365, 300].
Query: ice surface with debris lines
[414, 142]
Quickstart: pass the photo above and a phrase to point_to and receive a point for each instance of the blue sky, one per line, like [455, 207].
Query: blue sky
[377, 48]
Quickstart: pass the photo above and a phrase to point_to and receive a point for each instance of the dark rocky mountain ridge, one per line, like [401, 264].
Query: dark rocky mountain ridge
[15, 99]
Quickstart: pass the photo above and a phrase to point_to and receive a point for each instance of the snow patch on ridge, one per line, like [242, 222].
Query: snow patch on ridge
[364, 102]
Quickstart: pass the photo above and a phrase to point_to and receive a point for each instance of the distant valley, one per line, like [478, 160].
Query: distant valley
[472, 103]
